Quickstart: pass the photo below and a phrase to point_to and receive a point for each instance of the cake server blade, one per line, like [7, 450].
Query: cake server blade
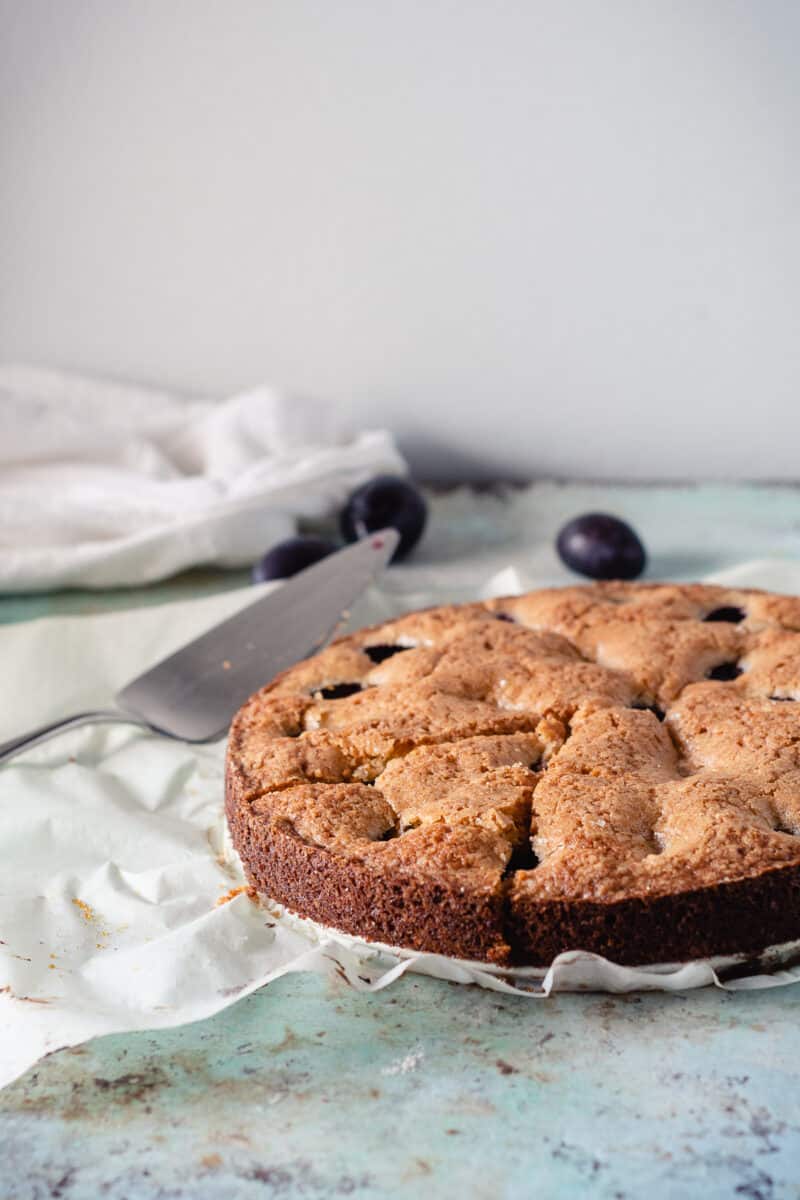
[194, 693]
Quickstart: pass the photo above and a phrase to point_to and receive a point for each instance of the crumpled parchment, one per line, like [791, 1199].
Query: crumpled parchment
[121, 907]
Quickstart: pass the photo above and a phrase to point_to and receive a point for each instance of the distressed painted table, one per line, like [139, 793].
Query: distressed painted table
[308, 1090]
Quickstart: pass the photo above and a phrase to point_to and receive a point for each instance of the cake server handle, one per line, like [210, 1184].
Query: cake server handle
[44, 732]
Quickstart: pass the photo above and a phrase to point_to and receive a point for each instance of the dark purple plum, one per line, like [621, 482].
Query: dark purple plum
[388, 501]
[725, 672]
[728, 613]
[287, 558]
[338, 691]
[379, 653]
[602, 547]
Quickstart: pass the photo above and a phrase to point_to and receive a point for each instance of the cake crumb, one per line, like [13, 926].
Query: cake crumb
[85, 911]
[233, 893]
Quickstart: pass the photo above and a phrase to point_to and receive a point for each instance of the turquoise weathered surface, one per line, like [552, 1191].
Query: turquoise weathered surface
[432, 1089]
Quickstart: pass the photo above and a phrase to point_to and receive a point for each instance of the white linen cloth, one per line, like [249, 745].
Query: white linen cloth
[102, 484]
[113, 856]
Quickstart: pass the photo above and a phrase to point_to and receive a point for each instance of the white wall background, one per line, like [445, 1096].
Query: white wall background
[553, 236]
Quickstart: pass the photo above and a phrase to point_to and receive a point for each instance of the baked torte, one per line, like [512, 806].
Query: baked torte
[613, 768]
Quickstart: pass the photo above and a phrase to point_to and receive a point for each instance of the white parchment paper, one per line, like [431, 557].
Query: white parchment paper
[119, 907]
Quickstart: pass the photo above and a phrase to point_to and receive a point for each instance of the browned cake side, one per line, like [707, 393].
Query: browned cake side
[613, 768]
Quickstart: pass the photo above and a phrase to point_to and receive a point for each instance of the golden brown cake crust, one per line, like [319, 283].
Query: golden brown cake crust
[613, 767]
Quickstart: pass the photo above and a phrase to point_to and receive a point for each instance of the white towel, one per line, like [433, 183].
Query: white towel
[103, 484]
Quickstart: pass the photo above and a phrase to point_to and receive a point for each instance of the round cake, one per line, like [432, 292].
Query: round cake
[613, 768]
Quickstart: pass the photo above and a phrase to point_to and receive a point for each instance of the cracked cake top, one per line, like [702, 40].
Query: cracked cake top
[496, 779]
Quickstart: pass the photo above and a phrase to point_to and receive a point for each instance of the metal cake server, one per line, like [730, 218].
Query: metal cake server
[193, 694]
